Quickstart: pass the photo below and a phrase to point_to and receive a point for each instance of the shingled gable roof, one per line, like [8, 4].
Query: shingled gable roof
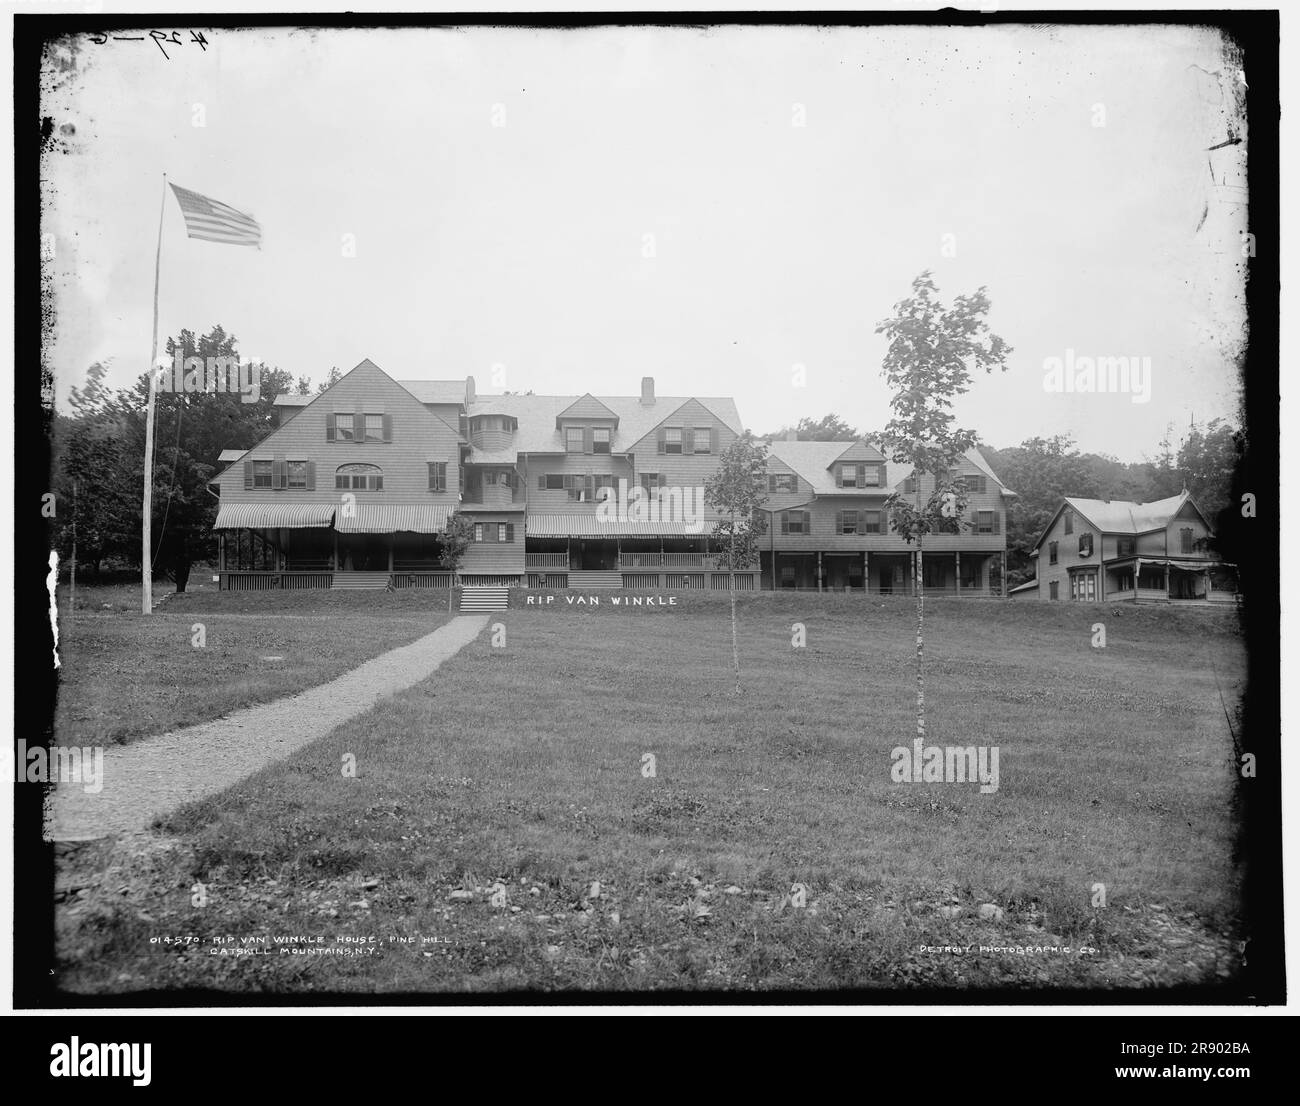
[813, 461]
[537, 415]
[1123, 516]
[226, 454]
[587, 407]
[426, 391]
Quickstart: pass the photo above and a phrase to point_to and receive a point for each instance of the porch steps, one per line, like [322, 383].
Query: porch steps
[595, 579]
[360, 581]
[474, 599]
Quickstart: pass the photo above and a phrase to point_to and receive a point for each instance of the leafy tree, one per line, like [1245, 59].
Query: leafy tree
[828, 428]
[335, 375]
[190, 431]
[738, 489]
[932, 350]
[455, 538]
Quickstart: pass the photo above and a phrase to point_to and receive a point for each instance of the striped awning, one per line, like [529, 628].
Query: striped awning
[269, 516]
[376, 518]
[589, 526]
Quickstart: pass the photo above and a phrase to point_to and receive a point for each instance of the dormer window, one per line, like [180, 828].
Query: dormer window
[600, 440]
[573, 439]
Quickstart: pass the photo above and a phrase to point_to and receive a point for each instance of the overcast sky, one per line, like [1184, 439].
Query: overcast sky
[773, 245]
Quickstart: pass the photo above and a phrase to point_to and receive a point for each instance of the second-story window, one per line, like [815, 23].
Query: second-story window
[437, 476]
[1051, 552]
[673, 440]
[261, 474]
[703, 439]
[782, 482]
[600, 440]
[872, 521]
[1125, 547]
[374, 428]
[297, 473]
[1185, 539]
[343, 426]
[573, 439]
[909, 486]
[1085, 545]
[986, 522]
[359, 477]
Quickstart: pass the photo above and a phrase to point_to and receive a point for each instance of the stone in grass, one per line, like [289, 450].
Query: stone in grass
[461, 896]
[732, 890]
[991, 913]
[950, 911]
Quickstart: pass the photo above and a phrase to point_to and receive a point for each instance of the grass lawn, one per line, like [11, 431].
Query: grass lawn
[124, 675]
[504, 826]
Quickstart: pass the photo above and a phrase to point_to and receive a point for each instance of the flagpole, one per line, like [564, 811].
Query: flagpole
[146, 547]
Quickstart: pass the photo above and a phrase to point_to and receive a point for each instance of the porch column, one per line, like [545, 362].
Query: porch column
[1168, 573]
[819, 571]
[957, 581]
[774, 570]
[221, 552]
[866, 573]
[1002, 584]
[392, 541]
[335, 564]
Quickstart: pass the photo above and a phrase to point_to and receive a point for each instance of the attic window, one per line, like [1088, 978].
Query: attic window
[573, 439]
[1069, 522]
[600, 440]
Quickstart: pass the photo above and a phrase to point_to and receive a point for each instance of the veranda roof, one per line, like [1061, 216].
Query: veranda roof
[375, 518]
[269, 516]
[589, 526]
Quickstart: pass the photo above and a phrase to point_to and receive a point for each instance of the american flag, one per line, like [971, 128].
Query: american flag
[214, 221]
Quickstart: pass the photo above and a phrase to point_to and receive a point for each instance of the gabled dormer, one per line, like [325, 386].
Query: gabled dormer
[587, 426]
[861, 467]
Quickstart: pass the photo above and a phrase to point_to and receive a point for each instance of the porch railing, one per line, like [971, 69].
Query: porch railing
[546, 560]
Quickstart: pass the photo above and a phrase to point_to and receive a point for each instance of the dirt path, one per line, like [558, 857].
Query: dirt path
[151, 777]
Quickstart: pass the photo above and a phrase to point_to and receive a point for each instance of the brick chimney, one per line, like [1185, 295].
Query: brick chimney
[647, 391]
[469, 390]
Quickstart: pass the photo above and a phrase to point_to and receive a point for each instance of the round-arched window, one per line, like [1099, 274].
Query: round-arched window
[359, 477]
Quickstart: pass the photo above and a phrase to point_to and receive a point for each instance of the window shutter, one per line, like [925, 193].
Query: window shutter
[663, 480]
[713, 439]
[785, 522]
[329, 427]
[807, 522]
[589, 486]
[433, 476]
[862, 476]
[388, 428]
[663, 437]
[996, 529]
[510, 532]
[862, 522]
[541, 483]
[688, 440]
[279, 474]
[359, 425]
[311, 476]
[586, 439]
[248, 475]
